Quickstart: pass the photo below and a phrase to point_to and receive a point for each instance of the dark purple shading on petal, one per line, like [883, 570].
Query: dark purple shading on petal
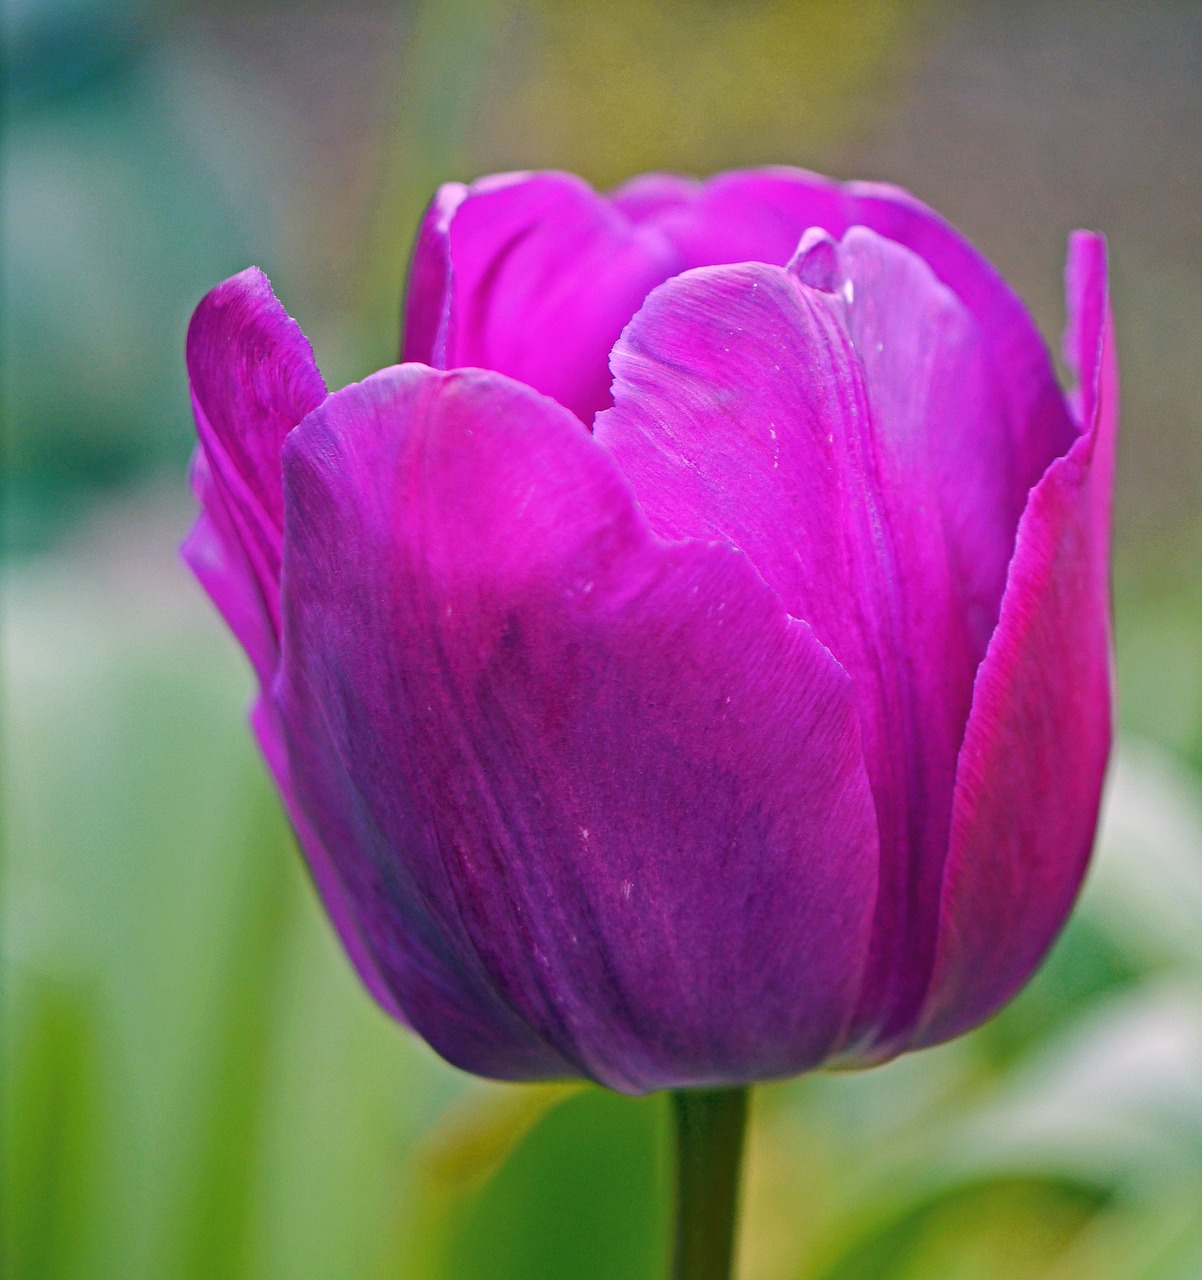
[600, 804]
[1034, 757]
[538, 276]
[758, 215]
[253, 378]
[327, 879]
[847, 435]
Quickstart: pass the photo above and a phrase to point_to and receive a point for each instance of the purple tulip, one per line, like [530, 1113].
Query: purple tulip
[692, 665]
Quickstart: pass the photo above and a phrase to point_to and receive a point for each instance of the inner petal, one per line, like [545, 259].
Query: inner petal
[533, 276]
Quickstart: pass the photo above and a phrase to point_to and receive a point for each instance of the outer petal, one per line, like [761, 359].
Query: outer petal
[322, 867]
[1030, 773]
[758, 215]
[840, 424]
[600, 804]
[253, 378]
[539, 274]
[215, 554]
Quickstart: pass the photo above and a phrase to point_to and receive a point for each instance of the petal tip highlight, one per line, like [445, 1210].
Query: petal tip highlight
[816, 262]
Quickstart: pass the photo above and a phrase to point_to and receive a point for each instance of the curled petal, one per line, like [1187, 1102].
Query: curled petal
[599, 803]
[253, 378]
[1030, 773]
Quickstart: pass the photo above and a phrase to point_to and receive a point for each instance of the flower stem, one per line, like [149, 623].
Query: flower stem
[709, 1151]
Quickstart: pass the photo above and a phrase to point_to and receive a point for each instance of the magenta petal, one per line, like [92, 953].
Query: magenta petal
[758, 215]
[539, 275]
[651, 196]
[428, 289]
[215, 553]
[751, 215]
[1030, 773]
[253, 378]
[846, 434]
[600, 805]
[936, 399]
[1041, 426]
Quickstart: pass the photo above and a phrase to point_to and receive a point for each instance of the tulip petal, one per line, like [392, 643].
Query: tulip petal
[1041, 427]
[253, 378]
[215, 554]
[428, 289]
[651, 196]
[1030, 773]
[758, 215]
[839, 423]
[327, 879]
[533, 275]
[751, 215]
[600, 803]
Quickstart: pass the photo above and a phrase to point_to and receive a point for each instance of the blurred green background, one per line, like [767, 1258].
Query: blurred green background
[194, 1085]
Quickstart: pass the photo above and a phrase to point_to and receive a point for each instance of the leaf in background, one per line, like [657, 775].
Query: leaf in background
[473, 1140]
[451, 1162]
[51, 1160]
[234, 1078]
[995, 1229]
[1181, 1259]
[582, 1197]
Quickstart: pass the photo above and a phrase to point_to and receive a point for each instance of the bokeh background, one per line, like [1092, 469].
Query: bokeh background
[194, 1085]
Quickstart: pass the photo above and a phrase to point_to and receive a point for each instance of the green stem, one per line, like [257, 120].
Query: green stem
[709, 1150]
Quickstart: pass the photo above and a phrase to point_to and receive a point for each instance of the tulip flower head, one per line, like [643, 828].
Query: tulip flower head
[692, 664]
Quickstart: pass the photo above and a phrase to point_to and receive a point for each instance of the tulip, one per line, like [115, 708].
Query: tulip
[692, 664]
